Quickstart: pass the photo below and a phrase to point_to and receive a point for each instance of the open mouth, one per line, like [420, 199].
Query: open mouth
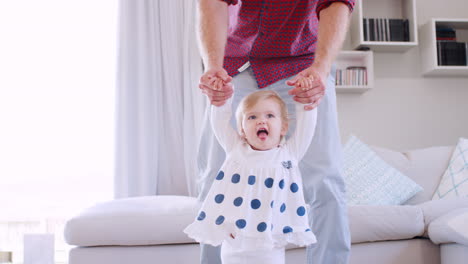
[262, 133]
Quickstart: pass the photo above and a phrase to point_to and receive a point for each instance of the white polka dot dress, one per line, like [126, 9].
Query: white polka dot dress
[257, 196]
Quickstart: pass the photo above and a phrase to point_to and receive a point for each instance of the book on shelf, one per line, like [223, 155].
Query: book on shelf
[386, 29]
[396, 29]
[406, 30]
[365, 28]
[351, 76]
[452, 53]
[377, 28]
[449, 51]
[445, 33]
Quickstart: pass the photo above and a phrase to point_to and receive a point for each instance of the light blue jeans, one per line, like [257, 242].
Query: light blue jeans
[324, 188]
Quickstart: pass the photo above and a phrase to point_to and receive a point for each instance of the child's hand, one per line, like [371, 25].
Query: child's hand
[305, 83]
[217, 86]
[302, 91]
[224, 91]
[309, 87]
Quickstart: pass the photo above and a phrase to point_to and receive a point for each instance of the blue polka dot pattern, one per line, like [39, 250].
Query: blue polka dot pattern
[262, 227]
[301, 211]
[235, 178]
[219, 198]
[269, 182]
[255, 204]
[271, 204]
[201, 216]
[219, 220]
[294, 187]
[283, 207]
[281, 184]
[241, 223]
[287, 229]
[308, 230]
[238, 201]
[251, 180]
[220, 175]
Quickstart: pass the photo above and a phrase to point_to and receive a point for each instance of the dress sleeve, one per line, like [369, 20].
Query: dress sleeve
[300, 140]
[220, 117]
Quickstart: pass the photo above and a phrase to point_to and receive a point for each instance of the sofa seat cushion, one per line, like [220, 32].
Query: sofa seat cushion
[158, 220]
[450, 228]
[390, 222]
[146, 220]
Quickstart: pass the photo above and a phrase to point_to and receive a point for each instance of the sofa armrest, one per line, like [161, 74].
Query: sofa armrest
[434, 209]
[137, 221]
[450, 228]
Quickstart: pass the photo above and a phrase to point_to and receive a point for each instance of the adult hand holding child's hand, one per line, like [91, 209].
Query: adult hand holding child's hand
[217, 85]
[309, 87]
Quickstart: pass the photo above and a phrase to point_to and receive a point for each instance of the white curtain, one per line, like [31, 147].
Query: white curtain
[159, 106]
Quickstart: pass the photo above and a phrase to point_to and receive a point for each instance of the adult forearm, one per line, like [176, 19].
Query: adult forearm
[333, 25]
[213, 24]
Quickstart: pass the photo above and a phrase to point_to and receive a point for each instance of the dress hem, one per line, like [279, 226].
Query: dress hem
[218, 236]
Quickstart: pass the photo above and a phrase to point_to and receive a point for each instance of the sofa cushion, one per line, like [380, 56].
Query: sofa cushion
[454, 182]
[450, 228]
[156, 220]
[376, 223]
[143, 220]
[424, 166]
[370, 180]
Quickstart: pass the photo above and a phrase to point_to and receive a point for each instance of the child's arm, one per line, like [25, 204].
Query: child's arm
[220, 117]
[300, 140]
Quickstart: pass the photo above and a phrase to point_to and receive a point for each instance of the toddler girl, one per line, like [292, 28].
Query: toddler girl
[256, 204]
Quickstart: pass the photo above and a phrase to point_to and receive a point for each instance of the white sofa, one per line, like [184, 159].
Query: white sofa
[146, 230]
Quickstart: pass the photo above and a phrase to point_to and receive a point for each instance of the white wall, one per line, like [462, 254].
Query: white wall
[406, 110]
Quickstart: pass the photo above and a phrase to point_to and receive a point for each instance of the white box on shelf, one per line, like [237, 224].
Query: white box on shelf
[38, 249]
[428, 47]
[352, 58]
[396, 9]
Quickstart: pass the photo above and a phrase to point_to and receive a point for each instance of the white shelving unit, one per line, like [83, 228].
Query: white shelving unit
[428, 47]
[356, 58]
[400, 9]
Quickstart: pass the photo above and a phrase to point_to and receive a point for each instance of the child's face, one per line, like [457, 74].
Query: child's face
[262, 125]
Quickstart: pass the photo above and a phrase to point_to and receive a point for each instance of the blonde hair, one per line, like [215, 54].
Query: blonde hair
[252, 99]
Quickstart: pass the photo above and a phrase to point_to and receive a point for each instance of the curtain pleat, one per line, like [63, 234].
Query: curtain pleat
[159, 107]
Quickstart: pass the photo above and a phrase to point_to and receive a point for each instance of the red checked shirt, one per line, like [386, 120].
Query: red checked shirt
[277, 37]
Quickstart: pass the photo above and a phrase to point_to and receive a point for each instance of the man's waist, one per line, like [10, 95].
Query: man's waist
[240, 63]
[268, 70]
[269, 57]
